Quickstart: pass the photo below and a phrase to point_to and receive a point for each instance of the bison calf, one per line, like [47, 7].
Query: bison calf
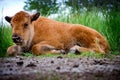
[41, 35]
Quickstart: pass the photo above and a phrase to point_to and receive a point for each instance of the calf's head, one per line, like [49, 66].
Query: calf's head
[22, 27]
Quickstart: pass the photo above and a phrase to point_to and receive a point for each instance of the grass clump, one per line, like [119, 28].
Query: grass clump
[5, 39]
[113, 35]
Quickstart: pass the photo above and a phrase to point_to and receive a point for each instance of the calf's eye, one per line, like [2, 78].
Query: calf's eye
[25, 25]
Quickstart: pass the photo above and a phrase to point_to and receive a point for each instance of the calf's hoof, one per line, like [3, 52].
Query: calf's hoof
[13, 50]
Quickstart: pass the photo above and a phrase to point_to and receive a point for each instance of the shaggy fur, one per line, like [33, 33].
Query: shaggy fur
[42, 35]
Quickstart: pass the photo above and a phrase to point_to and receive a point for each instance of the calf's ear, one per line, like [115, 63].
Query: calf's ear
[8, 19]
[35, 16]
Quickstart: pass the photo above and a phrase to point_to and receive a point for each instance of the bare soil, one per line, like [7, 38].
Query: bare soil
[59, 68]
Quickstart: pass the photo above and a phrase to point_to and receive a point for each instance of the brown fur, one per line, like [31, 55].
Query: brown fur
[53, 36]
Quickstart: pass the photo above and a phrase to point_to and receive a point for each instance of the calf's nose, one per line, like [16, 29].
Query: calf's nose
[16, 38]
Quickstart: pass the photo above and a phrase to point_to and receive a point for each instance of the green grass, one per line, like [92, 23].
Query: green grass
[5, 39]
[70, 55]
[93, 19]
[113, 22]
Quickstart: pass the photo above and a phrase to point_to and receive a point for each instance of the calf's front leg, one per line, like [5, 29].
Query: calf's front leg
[45, 48]
[14, 50]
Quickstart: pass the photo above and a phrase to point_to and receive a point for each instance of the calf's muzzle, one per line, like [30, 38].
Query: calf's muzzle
[17, 39]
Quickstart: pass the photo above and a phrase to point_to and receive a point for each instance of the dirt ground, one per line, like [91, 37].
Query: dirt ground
[59, 68]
